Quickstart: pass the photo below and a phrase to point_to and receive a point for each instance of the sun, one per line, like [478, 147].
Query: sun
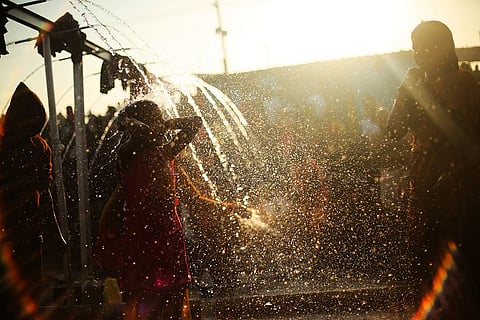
[320, 30]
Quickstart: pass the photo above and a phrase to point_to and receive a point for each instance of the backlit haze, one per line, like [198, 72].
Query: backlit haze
[175, 37]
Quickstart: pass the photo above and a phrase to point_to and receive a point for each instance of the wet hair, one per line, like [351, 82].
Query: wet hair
[145, 111]
[436, 34]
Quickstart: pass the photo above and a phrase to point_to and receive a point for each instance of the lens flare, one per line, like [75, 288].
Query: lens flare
[439, 282]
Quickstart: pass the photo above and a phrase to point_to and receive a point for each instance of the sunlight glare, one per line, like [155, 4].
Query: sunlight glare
[336, 29]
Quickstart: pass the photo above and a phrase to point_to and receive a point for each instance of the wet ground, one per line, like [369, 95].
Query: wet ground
[360, 303]
[375, 302]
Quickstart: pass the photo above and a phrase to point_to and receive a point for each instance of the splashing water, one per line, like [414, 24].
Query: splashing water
[241, 208]
[182, 95]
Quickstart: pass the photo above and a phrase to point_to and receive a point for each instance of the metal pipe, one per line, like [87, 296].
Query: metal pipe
[82, 170]
[55, 139]
[56, 154]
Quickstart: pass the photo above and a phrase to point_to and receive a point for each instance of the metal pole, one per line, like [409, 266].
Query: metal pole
[82, 169]
[55, 138]
[56, 148]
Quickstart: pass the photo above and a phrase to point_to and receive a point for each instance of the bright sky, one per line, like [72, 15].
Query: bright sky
[179, 36]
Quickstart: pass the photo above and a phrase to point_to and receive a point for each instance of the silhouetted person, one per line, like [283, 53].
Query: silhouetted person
[154, 274]
[439, 105]
[29, 229]
[476, 73]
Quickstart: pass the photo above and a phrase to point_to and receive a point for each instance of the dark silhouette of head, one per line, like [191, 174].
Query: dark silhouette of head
[26, 115]
[145, 111]
[433, 47]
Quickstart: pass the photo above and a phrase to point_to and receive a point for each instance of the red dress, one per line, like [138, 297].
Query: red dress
[154, 252]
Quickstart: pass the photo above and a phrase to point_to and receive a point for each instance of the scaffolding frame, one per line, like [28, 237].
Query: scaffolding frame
[22, 15]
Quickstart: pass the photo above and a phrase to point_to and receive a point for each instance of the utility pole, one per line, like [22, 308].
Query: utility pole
[222, 34]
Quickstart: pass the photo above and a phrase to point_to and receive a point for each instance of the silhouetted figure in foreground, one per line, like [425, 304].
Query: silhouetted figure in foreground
[439, 105]
[154, 274]
[29, 230]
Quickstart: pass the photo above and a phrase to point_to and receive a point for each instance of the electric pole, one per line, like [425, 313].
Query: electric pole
[222, 34]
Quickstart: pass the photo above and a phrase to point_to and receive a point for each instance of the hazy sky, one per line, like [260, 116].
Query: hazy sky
[180, 36]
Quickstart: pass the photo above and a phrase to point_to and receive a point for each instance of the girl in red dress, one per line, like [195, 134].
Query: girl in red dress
[154, 273]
